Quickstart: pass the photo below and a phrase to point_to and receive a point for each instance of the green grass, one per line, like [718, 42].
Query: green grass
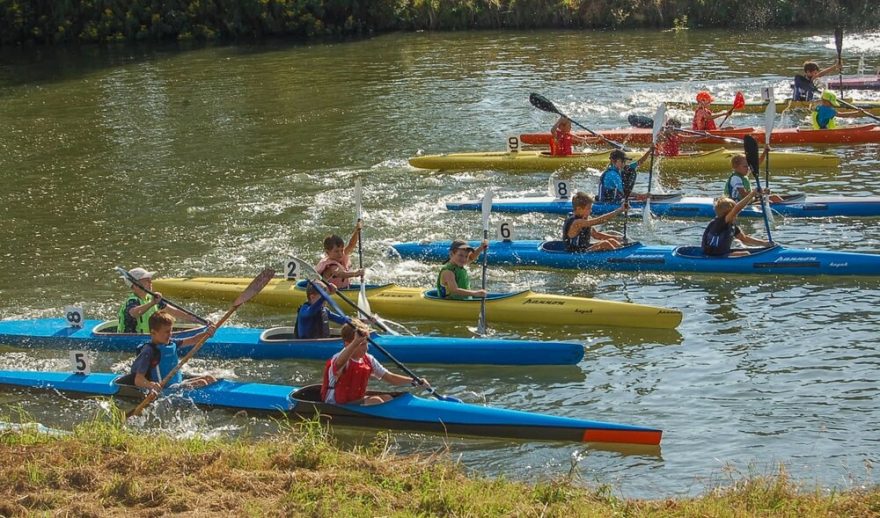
[106, 469]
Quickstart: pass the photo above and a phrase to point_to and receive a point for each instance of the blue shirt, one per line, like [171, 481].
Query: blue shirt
[311, 320]
[824, 114]
[156, 361]
[611, 186]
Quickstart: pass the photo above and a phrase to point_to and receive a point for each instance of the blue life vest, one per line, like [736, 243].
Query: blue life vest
[578, 243]
[164, 360]
[718, 237]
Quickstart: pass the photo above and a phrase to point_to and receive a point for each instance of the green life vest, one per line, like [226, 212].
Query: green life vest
[461, 279]
[143, 323]
[728, 190]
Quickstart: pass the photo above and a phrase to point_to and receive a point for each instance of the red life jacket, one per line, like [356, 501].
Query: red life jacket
[351, 385]
[703, 120]
[560, 145]
[337, 281]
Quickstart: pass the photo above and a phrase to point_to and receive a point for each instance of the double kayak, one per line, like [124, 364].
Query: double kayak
[679, 206]
[403, 412]
[872, 107]
[773, 260]
[392, 301]
[715, 160]
[862, 134]
[279, 343]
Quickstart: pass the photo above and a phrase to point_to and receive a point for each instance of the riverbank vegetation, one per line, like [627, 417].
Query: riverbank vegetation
[103, 21]
[106, 469]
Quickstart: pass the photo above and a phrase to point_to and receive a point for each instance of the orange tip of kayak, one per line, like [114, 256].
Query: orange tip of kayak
[650, 437]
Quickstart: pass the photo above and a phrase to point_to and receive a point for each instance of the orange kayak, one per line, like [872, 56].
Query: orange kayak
[863, 134]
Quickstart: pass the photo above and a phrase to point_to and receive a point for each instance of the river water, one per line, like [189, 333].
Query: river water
[221, 160]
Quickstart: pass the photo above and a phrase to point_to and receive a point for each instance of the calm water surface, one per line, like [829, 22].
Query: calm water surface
[222, 160]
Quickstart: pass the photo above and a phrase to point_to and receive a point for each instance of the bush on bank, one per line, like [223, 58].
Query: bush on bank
[104, 21]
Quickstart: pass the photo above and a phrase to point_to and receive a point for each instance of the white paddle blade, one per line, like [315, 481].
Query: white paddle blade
[659, 121]
[363, 303]
[769, 121]
[358, 199]
[487, 209]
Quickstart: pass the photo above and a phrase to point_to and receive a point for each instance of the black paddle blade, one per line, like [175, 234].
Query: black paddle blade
[542, 103]
[640, 121]
[751, 148]
[838, 40]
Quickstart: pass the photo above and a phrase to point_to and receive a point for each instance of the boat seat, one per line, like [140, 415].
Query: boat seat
[559, 247]
[286, 334]
[794, 198]
[308, 393]
[108, 327]
[697, 252]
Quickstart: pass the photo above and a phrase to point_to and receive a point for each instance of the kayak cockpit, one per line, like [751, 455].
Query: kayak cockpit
[558, 247]
[696, 252]
[354, 288]
[434, 295]
[312, 394]
[180, 330]
[285, 335]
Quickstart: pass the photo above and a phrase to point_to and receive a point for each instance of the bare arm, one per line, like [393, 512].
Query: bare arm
[359, 342]
[476, 252]
[740, 205]
[397, 379]
[448, 280]
[353, 240]
[580, 224]
[207, 333]
[141, 381]
[833, 68]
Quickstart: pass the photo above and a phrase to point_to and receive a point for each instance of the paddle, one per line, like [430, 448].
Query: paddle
[659, 121]
[253, 288]
[542, 103]
[738, 102]
[487, 209]
[751, 149]
[372, 342]
[838, 42]
[358, 198]
[136, 282]
[650, 123]
[311, 274]
[769, 121]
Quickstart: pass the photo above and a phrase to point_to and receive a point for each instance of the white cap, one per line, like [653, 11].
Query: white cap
[140, 273]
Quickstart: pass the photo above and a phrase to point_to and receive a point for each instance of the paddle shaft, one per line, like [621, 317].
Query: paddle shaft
[751, 149]
[481, 324]
[732, 140]
[134, 281]
[838, 42]
[372, 342]
[542, 103]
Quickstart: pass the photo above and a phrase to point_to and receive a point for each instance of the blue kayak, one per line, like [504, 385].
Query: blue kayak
[278, 343]
[403, 412]
[678, 206]
[774, 260]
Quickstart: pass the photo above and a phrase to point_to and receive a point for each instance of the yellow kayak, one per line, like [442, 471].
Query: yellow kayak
[871, 107]
[393, 301]
[714, 160]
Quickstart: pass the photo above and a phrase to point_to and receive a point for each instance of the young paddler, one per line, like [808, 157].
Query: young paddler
[453, 281]
[134, 314]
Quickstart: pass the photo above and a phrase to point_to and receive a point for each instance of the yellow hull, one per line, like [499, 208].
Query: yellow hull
[394, 301]
[715, 160]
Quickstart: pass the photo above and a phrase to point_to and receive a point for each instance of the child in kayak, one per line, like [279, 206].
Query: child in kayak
[804, 84]
[134, 314]
[335, 267]
[348, 372]
[453, 281]
[719, 233]
[562, 139]
[668, 140]
[704, 119]
[579, 227]
[824, 114]
[619, 177]
[159, 356]
[738, 185]
[312, 318]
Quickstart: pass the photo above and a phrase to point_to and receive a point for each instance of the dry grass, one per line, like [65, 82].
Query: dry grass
[102, 469]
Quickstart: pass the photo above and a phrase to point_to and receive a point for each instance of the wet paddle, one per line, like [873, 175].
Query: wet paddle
[542, 103]
[751, 149]
[769, 121]
[130, 278]
[852, 106]
[411, 374]
[738, 102]
[659, 121]
[309, 272]
[253, 288]
[647, 122]
[838, 43]
[358, 199]
[487, 209]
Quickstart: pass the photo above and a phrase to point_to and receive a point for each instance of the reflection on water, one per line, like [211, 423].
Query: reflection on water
[221, 160]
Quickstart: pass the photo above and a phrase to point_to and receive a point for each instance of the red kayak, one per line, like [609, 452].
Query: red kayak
[864, 134]
[856, 83]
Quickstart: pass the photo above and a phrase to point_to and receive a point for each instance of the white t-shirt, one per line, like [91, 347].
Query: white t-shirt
[736, 183]
[378, 372]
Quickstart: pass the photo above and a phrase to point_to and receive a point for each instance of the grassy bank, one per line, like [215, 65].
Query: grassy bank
[27, 21]
[106, 469]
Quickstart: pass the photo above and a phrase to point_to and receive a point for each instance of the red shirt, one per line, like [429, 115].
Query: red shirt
[703, 120]
[560, 145]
